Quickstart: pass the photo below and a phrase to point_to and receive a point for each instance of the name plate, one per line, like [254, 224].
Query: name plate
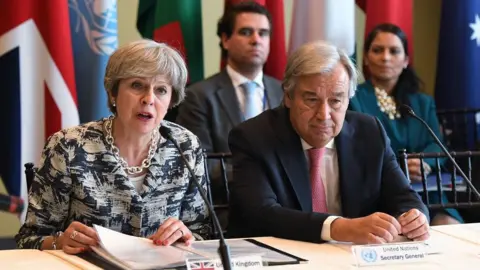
[389, 253]
[244, 262]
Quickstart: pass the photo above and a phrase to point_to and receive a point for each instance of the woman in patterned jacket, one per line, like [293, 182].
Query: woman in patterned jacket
[120, 172]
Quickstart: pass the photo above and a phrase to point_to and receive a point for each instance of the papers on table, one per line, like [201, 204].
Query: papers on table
[130, 252]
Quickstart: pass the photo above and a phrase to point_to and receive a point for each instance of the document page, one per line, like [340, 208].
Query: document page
[138, 253]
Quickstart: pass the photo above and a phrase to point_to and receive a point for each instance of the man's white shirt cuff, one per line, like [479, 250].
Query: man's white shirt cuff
[325, 235]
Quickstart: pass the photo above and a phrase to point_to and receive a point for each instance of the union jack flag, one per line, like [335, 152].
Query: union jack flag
[202, 266]
[38, 83]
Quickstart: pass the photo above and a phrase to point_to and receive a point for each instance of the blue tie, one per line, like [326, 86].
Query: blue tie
[251, 110]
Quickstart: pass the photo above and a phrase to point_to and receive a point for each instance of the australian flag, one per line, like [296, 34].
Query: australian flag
[93, 25]
[458, 71]
[38, 83]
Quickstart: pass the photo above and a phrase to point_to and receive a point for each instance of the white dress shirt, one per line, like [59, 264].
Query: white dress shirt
[238, 79]
[331, 183]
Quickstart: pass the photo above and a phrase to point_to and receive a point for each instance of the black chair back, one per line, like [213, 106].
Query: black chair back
[459, 128]
[29, 174]
[460, 194]
[219, 159]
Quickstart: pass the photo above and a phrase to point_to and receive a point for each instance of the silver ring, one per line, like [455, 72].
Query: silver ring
[180, 232]
[73, 235]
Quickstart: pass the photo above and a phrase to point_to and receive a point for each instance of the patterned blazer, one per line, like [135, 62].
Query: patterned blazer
[79, 179]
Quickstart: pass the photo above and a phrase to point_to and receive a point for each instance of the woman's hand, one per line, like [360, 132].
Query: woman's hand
[171, 231]
[78, 238]
[414, 170]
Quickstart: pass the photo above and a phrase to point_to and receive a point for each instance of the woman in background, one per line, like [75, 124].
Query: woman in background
[391, 83]
[119, 172]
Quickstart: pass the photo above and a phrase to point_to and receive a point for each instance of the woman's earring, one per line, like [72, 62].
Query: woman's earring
[113, 104]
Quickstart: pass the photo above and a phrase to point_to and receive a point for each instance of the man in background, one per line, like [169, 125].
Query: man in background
[240, 91]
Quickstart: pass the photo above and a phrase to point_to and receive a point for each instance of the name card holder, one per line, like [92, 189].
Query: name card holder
[240, 262]
[405, 252]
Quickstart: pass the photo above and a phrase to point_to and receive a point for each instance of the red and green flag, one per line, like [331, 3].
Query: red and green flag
[177, 23]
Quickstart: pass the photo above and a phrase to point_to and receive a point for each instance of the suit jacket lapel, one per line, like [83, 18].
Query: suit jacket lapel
[228, 99]
[291, 155]
[273, 96]
[350, 168]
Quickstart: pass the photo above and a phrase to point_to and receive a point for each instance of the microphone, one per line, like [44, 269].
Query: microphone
[406, 110]
[223, 249]
[11, 204]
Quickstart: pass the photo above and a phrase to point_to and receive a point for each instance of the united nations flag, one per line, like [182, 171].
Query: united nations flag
[93, 25]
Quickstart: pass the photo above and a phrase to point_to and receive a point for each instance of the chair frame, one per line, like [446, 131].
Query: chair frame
[222, 157]
[452, 118]
[403, 161]
[29, 174]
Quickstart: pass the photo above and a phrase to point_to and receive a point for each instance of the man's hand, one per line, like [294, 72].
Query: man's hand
[414, 225]
[377, 228]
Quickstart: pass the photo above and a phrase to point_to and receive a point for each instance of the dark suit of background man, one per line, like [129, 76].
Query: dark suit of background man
[219, 103]
[312, 171]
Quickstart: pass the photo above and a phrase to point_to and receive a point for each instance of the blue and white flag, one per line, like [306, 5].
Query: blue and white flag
[458, 72]
[93, 25]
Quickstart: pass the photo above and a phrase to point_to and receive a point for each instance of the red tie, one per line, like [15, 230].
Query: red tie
[319, 200]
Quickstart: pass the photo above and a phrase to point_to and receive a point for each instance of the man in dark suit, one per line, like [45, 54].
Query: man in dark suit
[214, 106]
[311, 171]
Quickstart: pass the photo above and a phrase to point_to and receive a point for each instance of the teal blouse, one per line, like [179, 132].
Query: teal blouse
[404, 133]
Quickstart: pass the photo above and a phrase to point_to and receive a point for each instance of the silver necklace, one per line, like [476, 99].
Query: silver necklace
[116, 152]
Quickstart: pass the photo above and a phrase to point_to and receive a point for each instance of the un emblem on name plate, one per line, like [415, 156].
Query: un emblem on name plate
[369, 255]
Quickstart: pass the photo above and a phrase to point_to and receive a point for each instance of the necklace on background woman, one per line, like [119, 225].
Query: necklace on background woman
[116, 152]
[387, 104]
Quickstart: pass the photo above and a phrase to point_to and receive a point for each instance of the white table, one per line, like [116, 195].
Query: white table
[451, 251]
[27, 259]
[466, 232]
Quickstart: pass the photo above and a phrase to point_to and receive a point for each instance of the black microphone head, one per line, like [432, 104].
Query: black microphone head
[165, 132]
[406, 110]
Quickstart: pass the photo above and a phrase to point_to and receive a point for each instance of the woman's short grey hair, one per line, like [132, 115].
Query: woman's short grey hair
[145, 59]
[318, 57]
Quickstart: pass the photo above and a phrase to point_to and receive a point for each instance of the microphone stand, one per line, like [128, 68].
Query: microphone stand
[409, 111]
[223, 248]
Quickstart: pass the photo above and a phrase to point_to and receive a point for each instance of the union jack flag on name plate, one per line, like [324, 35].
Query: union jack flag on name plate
[205, 265]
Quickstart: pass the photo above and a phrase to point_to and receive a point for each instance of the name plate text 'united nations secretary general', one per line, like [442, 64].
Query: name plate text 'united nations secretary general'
[405, 252]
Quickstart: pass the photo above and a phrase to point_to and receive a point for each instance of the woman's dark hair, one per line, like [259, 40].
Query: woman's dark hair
[408, 82]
